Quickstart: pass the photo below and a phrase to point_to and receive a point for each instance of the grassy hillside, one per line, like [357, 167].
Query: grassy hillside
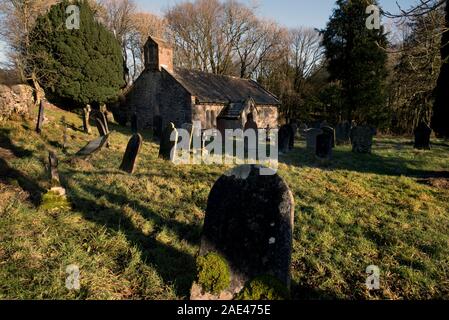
[136, 237]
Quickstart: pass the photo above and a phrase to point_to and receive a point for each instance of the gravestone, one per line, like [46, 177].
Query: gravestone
[134, 124]
[422, 136]
[311, 135]
[40, 118]
[249, 223]
[100, 126]
[324, 146]
[362, 139]
[343, 133]
[93, 146]
[86, 116]
[167, 150]
[285, 133]
[293, 130]
[53, 169]
[157, 126]
[132, 151]
[329, 130]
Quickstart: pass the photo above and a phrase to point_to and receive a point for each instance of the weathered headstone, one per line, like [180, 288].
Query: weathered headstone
[311, 135]
[64, 133]
[132, 151]
[93, 146]
[324, 146]
[40, 117]
[189, 128]
[329, 130]
[285, 136]
[362, 139]
[100, 126]
[168, 146]
[343, 133]
[249, 223]
[53, 169]
[86, 116]
[249, 148]
[422, 136]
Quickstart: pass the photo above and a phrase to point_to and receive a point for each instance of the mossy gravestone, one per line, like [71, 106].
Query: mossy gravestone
[131, 153]
[55, 199]
[86, 116]
[422, 137]
[362, 139]
[247, 235]
[169, 141]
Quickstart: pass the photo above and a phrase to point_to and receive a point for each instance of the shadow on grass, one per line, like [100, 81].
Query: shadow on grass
[362, 163]
[6, 143]
[174, 267]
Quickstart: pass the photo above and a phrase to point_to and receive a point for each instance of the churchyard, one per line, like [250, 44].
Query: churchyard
[138, 236]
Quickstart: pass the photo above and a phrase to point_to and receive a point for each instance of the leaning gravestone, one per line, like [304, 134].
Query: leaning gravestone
[285, 133]
[422, 137]
[362, 139]
[329, 130]
[311, 135]
[343, 133]
[168, 146]
[55, 199]
[40, 118]
[131, 153]
[93, 146]
[247, 235]
[100, 126]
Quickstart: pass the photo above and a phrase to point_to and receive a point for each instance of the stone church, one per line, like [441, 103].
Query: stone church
[164, 93]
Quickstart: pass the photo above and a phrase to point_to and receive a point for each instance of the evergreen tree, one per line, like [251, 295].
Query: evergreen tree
[357, 61]
[83, 65]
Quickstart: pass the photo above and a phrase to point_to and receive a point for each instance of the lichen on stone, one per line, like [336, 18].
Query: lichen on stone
[213, 273]
[52, 201]
[264, 287]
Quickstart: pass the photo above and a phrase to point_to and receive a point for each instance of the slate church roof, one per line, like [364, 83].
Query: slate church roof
[212, 88]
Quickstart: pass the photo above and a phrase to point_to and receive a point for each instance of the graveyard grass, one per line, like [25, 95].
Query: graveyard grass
[136, 237]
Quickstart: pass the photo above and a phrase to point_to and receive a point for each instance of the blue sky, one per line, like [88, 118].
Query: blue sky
[290, 13]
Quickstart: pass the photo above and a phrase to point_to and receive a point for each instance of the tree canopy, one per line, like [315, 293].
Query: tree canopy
[84, 65]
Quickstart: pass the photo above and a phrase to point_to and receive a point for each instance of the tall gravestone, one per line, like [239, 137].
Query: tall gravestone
[189, 128]
[249, 224]
[86, 117]
[284, 134]
[330, 131]
[40, 117]
[293, 130]
[132, 151]
[362, 139]
[311, 135]
[343, 133]
[422, 137]
[324, 146]
[168, 146]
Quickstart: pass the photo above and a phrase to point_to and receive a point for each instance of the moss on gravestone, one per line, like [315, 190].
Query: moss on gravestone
[213, 273]
[52, 201]
[264, 287]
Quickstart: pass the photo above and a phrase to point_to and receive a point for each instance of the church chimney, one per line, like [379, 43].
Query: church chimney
[158, 55]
